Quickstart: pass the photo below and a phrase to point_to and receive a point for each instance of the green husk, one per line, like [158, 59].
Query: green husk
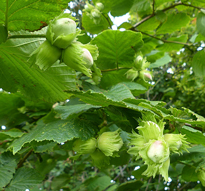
[45, 55]
[85, 147]
[62, 31]
[109, 142]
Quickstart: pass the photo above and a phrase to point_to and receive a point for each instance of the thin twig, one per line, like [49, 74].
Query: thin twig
[158, 182]
[189, 5]
[148, 183]
[142, 21]
[165, 41]
[163, 10]
[121, 171]
[184, 186]
[20, 164]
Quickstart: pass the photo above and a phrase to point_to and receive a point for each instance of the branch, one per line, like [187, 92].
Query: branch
[166, 9]
[150, 179]
[165, 41]
[189, 5]
[158, 182]
[121, 171]
[20, 164]
[184, 186]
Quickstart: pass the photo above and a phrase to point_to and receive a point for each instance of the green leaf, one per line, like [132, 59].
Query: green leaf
[114, 51]
[174, 22]
[23, 179]
[70, 110]
[125, 25]
[198, 63]
[130, 186]
[154, 55]
[121, 7]
[44, 146]
[12, 133]
[166, 47]
[142, 7]
[9, 113]
[161, 62]
[31, 15]
[111, 78]
[58, 131]
[59, 181]
[97, 183]
[189, 174]
[150, 25]
[149, 44]
[18, 75]
[105, 98]
[135, 88]
[193, 136]
[200, 23]
[95, 26]
[160, 2]
[8, 166]
[138, 173]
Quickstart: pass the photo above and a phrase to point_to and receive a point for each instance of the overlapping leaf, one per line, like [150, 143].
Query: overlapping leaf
[9, 113]
[193, 136]
[160, 62]
[71, 110]
[32, 14]
[8, 166]
[16, 73]
[24, 178]
[58, 131]
[173, 23]
[114, 51]
[198, 63]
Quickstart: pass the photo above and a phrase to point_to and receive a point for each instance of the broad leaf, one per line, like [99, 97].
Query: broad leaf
[201, 23]
[23, 179]
[149, 25]
[71, 110]
[193, 135]
[161, 62]
[58, 131]
[105, 98]
[9, 113]
[114, 51]
[12, 133]
[95, 26]
[97, 183]
[173, 23]
[189, 173]
[18, 75]
[142, 7]
[59, 181]
[121, 7]
[8, 166]
[30, 15]
[130, 186]
[198, 63]
[168, 46]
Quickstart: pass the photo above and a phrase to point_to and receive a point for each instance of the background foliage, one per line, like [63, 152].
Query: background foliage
[43, 112]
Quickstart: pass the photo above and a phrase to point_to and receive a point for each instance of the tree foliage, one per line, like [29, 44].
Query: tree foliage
[102, 108]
